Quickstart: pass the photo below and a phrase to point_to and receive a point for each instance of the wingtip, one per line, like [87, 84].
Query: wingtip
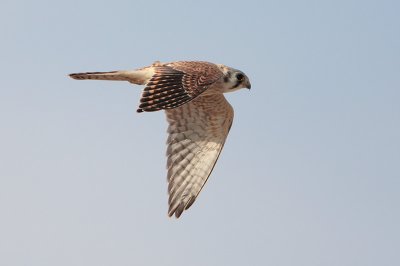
[176, 210]
[170, 215]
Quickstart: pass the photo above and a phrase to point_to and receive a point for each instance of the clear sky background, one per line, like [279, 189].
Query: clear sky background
[310, 173]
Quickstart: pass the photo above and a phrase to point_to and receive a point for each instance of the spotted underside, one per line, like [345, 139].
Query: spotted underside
[175, 84]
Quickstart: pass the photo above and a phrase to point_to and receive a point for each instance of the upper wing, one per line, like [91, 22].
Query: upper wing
[177, 83]
[197, 133]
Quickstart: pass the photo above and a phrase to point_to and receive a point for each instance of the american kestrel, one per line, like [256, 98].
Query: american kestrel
[199, 117]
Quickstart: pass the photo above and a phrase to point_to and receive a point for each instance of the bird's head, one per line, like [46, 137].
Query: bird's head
[234, 79]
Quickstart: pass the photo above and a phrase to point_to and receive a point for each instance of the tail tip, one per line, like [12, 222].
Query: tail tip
[76, 76]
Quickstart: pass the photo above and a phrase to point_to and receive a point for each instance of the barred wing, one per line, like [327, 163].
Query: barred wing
[197, 133]
[177, 83]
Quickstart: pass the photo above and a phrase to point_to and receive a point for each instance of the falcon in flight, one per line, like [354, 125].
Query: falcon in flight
[199, 117]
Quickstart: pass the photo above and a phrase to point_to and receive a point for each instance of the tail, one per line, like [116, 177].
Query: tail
[139, 76]
[112, 75]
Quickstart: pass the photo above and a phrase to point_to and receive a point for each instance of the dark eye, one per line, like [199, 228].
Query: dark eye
[239, 76]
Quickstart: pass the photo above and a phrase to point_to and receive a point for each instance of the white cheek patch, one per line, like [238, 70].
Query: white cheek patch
[237, 85]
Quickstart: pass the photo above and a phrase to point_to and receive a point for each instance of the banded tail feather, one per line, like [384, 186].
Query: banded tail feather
[111, 75]
[139, 76]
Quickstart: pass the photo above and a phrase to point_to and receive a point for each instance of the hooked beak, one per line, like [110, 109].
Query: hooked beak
[248, 85]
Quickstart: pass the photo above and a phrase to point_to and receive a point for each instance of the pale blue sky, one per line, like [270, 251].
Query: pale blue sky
[310, 174]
